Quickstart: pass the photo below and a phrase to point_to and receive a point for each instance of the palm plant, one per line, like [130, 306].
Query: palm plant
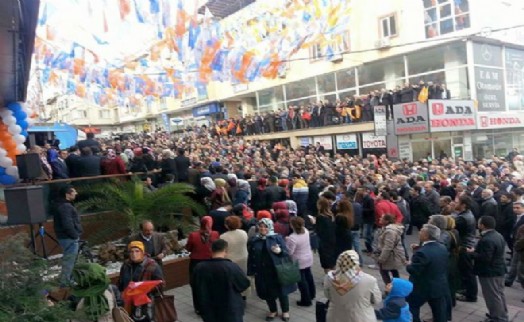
[162, 206]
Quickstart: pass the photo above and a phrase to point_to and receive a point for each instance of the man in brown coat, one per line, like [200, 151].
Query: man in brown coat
[155, 243]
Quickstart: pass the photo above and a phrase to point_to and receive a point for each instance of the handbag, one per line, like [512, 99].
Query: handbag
[164, 306]
[288, 272]
[120, 315]
[321, 311]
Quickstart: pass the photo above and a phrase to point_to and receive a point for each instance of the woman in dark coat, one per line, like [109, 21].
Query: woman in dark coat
[326, 230]
[266, 250]
[344, 222]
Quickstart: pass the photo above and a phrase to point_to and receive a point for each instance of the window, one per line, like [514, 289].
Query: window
[301, 89]
[388, 26]
[79, 115]
[326, 83]
[270, 95]
[315, 52]
[346, 79]
[445, 16]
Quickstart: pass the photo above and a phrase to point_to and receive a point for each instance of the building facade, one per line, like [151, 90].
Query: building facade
[474, 49]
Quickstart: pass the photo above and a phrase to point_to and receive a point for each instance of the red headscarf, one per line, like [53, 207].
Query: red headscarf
[206, 225]
[263, 214]
[262, 182]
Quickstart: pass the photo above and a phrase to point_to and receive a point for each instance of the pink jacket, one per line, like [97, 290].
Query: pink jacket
[299, 248]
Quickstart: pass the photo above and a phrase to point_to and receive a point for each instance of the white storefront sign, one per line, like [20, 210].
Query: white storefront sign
[347, 142]
[380, 120]
[451, 115]
[325, 141]
[404, 150]
[305, 141]
[371, 141]
[500, 120]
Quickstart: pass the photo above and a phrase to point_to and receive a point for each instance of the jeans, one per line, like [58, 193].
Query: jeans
[368, 235]
[355, 236]
[284, 304]
[306, 286]
[70, 248]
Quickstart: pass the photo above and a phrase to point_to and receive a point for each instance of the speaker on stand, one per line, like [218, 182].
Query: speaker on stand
[25, 206]
[29, 166]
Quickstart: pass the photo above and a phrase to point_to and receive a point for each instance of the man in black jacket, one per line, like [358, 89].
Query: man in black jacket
[68, 230]
[466, 227]
[505, 219]
[429, 274]
[274, 192]
[182, 166]
[490, 267]
[220, 283]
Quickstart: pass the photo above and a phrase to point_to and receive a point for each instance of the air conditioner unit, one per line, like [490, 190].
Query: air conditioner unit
[382, 43]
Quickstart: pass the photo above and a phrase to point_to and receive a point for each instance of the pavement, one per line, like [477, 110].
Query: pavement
[256, 308]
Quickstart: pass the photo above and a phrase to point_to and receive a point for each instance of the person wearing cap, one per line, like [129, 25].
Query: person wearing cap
[139, 267]
[351, 292]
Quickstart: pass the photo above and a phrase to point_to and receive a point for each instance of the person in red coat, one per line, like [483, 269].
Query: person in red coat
[199, 245]
[112, 164]
[383, 206]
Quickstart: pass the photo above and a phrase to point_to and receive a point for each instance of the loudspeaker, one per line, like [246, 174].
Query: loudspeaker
[25, 205]
[29, 166]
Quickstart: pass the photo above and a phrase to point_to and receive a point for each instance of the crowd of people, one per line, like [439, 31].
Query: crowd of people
[351, 109]
[268, 204]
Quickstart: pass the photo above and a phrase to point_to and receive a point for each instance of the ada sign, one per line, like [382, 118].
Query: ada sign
[410, 118]
[452, 115]
[347, 142]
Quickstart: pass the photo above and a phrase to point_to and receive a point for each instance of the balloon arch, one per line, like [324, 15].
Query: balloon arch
[15, 120]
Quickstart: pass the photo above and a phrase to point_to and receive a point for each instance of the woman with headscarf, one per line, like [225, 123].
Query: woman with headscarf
[253, 230]
[112, 164]
[282, 226]
[220, 195]
[266, 250]
[243, 193]
[259, 200]
[199, 245]
[127, 156]
[351, 292]
[326, 230]
[232, 185]
[168, 165]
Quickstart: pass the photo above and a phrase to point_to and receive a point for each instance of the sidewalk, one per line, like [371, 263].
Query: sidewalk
[256, 308]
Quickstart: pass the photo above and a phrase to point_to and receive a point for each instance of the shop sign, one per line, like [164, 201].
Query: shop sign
[490, 89]
[371, 141]
[347, 142]
[205, 110]
[380, 120]
[487, 55]
[411, 118]
[404, 150]
[500, 120]
[305, 141]
[451, 115]
[325, 141]
[188, 102]
[391, 141]
[514, 63]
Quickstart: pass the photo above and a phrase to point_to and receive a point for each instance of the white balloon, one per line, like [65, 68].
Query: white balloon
[14, 129]
[3, 152]
[19, 138]
[5, 113]
[9, 120]
[6, 162]
[21, 148]
[12, 171]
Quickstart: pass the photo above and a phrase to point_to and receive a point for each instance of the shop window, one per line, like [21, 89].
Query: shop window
[326, 83]
[381, 71]
[388, 26]
[445, 16]
[346, 79]
[301, 89]
[436, 58]
[270, 95]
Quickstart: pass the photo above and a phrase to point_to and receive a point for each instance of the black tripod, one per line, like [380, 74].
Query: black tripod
[40, 234]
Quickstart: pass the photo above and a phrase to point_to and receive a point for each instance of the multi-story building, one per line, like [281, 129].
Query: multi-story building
[475, 48]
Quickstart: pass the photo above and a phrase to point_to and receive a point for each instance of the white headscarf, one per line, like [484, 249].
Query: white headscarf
[208, 183]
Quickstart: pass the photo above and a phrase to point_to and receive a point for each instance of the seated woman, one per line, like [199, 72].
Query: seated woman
[139, 267]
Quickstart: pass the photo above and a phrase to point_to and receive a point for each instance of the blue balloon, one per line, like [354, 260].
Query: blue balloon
[2, 171]
[14, 106]
[20, 115]
[7, 179]
[24, 125]
[24, 132]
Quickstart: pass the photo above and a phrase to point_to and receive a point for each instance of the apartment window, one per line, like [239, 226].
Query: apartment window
[79, 115]
[315, 52]
[388, 26]
[445, 16]
[104, 114]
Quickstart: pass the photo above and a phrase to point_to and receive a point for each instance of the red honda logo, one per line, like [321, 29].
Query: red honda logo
[437, 108]
[484, 121]
[409, 109]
